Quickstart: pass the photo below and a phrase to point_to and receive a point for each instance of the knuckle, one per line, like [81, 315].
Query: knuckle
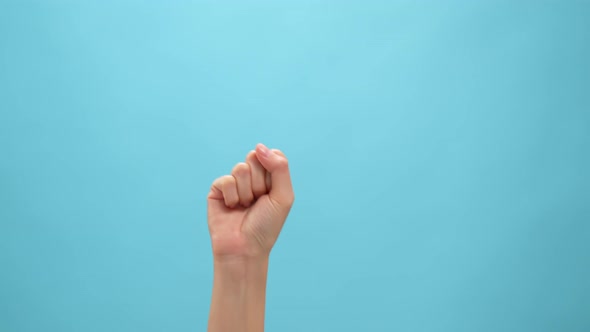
[226, 182]
[251, 156]
[228, 179]
[241, 169]
[283, 163]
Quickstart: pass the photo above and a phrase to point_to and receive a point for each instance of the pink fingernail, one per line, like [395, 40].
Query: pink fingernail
[263, 150]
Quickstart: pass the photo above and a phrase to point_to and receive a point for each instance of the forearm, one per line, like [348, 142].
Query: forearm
[238, 299]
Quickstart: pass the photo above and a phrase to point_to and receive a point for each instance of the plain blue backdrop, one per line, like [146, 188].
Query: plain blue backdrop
[440, 154]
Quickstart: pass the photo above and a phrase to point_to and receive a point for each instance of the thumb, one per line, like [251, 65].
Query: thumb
[277, 165]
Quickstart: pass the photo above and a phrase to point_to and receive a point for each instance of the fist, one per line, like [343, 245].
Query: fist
[246, 210]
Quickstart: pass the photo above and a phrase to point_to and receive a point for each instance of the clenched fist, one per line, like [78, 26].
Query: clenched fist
[247, 209]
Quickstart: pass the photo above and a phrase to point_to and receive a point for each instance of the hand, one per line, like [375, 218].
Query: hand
[247, 209]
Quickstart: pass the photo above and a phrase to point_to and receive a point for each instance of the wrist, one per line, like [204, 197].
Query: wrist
[241, 265]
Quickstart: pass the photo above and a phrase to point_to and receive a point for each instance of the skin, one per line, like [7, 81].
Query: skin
[246, 211]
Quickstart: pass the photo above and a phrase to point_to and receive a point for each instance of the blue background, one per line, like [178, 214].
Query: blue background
[440, 154]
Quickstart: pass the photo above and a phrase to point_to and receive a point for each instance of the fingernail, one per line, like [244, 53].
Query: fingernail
[263, 150]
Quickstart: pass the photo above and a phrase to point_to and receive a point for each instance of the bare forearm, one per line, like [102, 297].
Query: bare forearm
[239, 290]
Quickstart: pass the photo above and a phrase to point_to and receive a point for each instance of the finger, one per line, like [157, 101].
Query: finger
[258, 174]
[268, 181]
[278, 166]
[241, 173]
[279, 152]
[226, 185]
[215, 193]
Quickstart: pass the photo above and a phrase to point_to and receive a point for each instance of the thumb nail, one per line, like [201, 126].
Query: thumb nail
[264, 151]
